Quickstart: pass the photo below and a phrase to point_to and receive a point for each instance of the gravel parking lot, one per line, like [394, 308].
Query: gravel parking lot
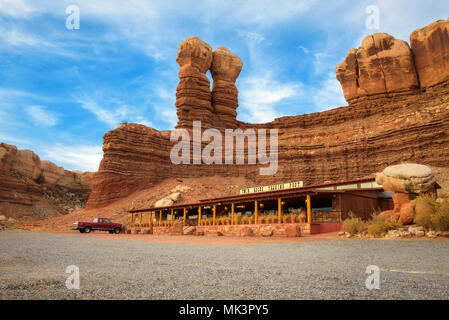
[33, 265]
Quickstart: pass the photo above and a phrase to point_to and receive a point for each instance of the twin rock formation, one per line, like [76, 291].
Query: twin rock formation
[385, 66]
[398, 112]
[194, 101]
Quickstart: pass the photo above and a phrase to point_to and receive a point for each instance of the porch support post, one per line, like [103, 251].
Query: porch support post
[185, 215]
[309, 209]
[140, 219]
[232, 213]
[214, 212]
[279, 210]
[256, 212]
[160, 218]
[171, 217]
[199, 215]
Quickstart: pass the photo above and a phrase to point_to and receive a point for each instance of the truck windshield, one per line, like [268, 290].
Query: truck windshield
[95, 220]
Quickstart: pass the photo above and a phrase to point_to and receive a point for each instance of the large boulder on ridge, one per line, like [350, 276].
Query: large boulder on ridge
[28, 163]
[382, 65]
[407, 178]
[430, 46]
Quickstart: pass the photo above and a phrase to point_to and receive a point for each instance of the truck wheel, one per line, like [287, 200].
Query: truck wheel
[81, 230]
[117, 230]
[87, 230]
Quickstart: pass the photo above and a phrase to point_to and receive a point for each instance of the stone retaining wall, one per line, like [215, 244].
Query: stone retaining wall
[245, 230]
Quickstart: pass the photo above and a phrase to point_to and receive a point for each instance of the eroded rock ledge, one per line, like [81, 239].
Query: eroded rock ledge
[385, 66]
[34, 189]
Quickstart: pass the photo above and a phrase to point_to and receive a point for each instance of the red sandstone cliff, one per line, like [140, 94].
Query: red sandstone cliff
[35, 189]
[398, 111]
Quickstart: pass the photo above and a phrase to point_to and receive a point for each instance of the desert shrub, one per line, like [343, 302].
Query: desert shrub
[443, 195]
[264, 218]
[378, 225]
[440, 219]
[424, 219]
[353, 224]
[220, 220]
[425, 208]
[206, 221]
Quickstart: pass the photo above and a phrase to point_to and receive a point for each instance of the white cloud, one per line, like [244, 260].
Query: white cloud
[150, 25]
[6, 93]
[328, 94]
[84, 158]
[41, 117]
[259, 97]
[12, 140]
[264, 12]
[167, 114]
[16, 8]
[252, 36]
[116, 113]
[15, 37]
[304, 49]
[322, 62]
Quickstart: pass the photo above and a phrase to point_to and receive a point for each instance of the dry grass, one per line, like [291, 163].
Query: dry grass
[427, 205]
[379, 225]
[436, 213]
[440, 221]
[353, 224]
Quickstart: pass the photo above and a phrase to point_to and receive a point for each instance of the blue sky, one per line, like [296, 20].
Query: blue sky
[61, 90]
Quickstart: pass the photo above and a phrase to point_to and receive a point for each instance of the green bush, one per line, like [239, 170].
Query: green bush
[353, 224]
[379, 225]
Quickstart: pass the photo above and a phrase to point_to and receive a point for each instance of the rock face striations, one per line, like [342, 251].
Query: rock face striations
[385, 66]
[31, 188]
[398, 112]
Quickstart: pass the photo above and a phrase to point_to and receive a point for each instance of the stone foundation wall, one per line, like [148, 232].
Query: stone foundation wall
[263, 230]
[246, 230]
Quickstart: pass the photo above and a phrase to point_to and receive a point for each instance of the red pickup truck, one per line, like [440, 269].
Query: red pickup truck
[103, 224]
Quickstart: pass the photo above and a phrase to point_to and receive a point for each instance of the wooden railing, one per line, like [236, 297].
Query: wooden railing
[326, 216]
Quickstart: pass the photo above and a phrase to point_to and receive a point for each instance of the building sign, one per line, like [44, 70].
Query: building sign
[273, 187]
